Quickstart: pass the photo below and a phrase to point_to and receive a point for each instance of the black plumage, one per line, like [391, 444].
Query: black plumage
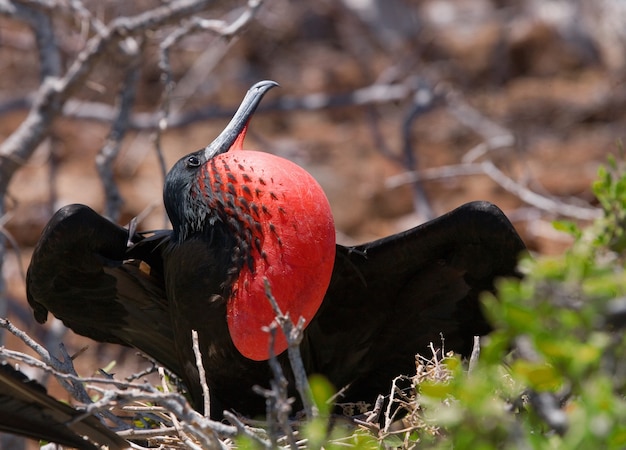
[387, 300]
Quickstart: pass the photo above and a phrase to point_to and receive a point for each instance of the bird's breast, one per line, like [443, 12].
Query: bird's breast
[284, 232]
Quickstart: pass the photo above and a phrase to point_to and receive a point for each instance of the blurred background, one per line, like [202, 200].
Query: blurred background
[401, 109]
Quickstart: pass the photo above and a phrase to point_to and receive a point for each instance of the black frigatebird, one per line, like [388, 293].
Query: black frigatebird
[239, 218]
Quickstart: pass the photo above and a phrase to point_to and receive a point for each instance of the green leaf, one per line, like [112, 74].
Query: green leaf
[322, 391]
[568, 227]
[539, 376]
[435, 390]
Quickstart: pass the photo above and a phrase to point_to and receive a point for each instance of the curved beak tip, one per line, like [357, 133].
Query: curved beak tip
[264, 85]
[236, 128]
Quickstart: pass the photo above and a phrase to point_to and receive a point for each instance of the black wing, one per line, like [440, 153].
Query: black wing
[26, 409]
[82, 272]
[389, 299]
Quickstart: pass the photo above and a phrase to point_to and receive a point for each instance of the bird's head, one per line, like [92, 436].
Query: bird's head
[278, 217]
[194, 194]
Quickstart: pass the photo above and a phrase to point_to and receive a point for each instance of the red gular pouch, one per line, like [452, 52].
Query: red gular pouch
[285, 220]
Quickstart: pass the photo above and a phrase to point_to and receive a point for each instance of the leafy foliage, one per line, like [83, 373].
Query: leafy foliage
[553, 375]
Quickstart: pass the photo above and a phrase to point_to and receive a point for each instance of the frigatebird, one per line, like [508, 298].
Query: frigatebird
[243, 218]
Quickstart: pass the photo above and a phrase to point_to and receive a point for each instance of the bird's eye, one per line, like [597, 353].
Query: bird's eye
[193, 161]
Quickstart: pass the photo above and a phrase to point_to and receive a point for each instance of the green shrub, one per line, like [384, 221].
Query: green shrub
[553, 375]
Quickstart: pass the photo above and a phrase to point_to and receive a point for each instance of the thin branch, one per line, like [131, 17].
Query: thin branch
[34, 362]
[106, 157]
[26, 339]
[472, 118]
[100, 112]
[539, 201]
[278, 402]
[473, 361]
[40, 23]
[245, 430]
[79, 9]
[15, 246]
[177, 427]
[423, 101]
[201, 373]
[294, 336]
[62, 369]
[434, 173]
[507, 183]
[374, 415]
[55, 90]
[392, 410]
[198, 426]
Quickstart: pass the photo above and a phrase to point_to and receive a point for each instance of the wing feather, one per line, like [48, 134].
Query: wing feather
[26, 409]
[389, 299]
[85, 273]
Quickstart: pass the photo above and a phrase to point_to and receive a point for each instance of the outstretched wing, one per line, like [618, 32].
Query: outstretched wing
[389, 299]
[26, 409]
[85, 273]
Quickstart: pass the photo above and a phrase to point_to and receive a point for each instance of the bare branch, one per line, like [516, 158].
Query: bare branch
[101, 112]
[34, 362]
[106, 157]
[392, 407]
[245, 430]
[63, 370]
[423, 101]
[473, 361]
[278, 403]
[294, 336]
[201, 428]
[78, 7]
[41, 25]
[434, 173]
[55, 90]
[472, 118]
[539, 201]
[488, 168]
[201, 373]
[26, 339]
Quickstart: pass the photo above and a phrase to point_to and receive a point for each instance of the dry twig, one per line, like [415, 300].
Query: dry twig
[106, 158]
[201, 373]
[294, 336]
